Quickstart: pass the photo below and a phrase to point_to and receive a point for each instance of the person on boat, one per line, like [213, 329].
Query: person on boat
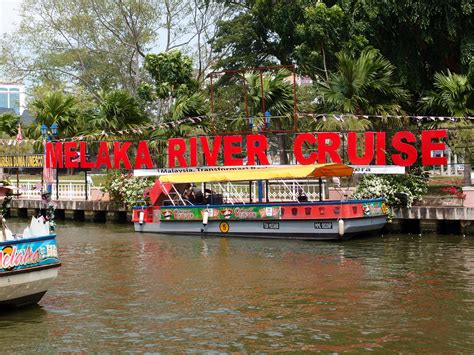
[188, 194]
[302, 197]
[198, 195]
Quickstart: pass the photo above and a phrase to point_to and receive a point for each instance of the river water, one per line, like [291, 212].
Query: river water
[121, 291]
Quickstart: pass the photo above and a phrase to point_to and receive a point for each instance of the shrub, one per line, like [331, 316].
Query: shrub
[393, 188]
[128, 189]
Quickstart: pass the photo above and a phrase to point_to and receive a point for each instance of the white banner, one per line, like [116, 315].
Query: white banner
[358, 169]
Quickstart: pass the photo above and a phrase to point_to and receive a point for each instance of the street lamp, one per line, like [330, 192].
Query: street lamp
[268, 117]
[48, 133]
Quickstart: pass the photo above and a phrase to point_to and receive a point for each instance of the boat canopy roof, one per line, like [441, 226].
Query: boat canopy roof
[267, 173]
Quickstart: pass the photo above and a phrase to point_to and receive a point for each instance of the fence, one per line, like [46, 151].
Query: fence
[68, 190]
[232, 192]
[277, 190]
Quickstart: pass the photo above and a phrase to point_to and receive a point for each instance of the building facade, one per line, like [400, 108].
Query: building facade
[12, 96]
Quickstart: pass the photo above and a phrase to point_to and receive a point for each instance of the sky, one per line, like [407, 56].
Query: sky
[9, 18]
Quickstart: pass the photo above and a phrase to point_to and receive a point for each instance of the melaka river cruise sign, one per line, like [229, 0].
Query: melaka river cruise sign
[239, 150]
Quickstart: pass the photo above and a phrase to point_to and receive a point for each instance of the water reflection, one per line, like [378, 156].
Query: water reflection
[120, 291]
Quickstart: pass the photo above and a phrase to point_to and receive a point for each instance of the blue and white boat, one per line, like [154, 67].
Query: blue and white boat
[29, 263]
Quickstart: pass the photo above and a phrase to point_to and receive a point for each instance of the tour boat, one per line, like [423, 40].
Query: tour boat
[213, 214]
[28, 263]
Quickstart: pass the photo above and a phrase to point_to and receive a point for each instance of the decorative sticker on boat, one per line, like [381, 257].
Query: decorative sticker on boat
[224, 227]
[28, 254]
[223, 213]
[180, 214]
[374, 208]
[226, 213]
[251, 212]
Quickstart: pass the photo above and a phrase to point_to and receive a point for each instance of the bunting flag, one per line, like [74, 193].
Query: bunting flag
[199, 119]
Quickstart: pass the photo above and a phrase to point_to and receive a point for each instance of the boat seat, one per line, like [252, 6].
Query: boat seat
[215, 199]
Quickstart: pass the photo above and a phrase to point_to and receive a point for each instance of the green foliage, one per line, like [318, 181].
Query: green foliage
[261, 32]
[365, 85]
[184, 106]
[98, 44]
[5, 206]
[390, 186]
[453, 94]
[117, 110]
[55, 107]
[419, 37]
[9, 123]
[172, 73]
[127, 189]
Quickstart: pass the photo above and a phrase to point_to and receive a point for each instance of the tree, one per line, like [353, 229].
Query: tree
[453, 95]
[277, 99]
[55, 107]
[420, 37]
[261, 32]
[171, 76]
[115, 111]
[364, 86]
[184, 107]
[98, 44]
[324, 31]
[172, 73]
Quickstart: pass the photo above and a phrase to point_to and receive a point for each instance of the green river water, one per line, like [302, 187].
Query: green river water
[120, 291]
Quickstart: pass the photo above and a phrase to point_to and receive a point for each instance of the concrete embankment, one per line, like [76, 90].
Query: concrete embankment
[418, 219]
[90, 211]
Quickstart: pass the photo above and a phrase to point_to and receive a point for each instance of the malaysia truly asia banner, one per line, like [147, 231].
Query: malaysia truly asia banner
[239, 150]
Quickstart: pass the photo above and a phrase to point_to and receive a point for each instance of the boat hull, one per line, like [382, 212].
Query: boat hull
[27, 268]
[328, 229]
[27, 287]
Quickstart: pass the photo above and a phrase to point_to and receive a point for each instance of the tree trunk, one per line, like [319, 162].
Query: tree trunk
[467, 168]
[282, 138]
[281, 149]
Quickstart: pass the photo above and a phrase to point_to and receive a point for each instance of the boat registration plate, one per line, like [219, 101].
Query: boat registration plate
[271, 225]
[322, 225]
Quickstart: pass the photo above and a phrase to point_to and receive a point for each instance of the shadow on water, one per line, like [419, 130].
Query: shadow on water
[28, 315]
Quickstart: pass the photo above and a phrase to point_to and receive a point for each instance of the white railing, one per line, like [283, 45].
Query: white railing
[68, 190]
[277, 190]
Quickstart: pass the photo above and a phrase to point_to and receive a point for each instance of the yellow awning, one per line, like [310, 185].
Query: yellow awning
[268, 173]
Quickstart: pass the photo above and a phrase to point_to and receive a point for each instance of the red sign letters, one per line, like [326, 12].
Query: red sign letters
[234, 150]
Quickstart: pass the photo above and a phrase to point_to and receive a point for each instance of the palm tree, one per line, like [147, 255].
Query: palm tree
[184, 107]
[363, 86]
[453, 95]
[117, 110]
[277, 98]
[58, 108]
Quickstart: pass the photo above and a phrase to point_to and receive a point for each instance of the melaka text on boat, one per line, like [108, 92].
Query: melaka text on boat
[28, 263]
[179, 208]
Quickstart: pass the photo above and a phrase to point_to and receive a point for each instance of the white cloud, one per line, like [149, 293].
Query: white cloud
[9, 15]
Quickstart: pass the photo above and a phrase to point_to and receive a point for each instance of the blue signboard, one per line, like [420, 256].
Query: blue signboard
[27, 253]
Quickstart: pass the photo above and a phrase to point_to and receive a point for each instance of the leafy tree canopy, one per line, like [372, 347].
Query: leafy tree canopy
[420, 37]
[172, 73]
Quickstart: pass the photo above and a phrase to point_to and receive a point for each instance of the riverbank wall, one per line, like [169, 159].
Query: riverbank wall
[415, 220]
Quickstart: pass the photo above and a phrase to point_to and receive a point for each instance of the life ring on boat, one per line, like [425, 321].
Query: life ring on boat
[384, 208]
[224, 227]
